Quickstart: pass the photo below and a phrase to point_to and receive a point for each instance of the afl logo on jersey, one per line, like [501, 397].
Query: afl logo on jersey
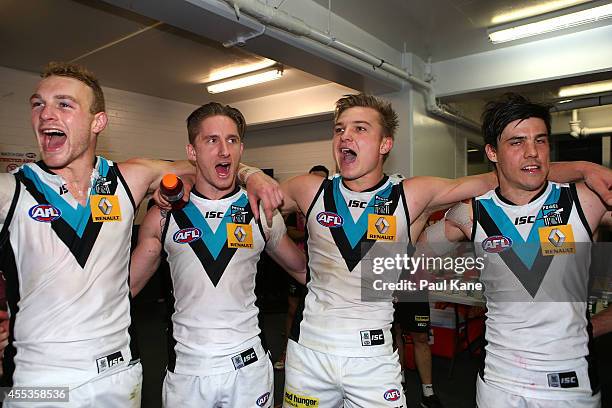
[329, 219]
[392, 395]
[496, 243]
[187, 235]
[44, 213]
[261, 401]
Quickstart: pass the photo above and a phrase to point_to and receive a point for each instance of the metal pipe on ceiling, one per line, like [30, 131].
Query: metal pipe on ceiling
[282, 20]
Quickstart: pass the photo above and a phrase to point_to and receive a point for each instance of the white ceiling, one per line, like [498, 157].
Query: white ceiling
[164, 61]
[172, 63]
[436, 29]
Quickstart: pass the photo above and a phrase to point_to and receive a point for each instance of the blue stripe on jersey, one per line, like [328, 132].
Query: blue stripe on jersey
[355, 231]
[214, 241]
[77, 217]
[525, 249]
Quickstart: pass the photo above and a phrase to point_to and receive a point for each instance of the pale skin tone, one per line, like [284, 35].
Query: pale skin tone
[216, 150]
[522, 156]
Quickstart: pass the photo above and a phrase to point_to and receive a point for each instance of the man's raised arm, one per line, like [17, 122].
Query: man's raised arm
[598, 178]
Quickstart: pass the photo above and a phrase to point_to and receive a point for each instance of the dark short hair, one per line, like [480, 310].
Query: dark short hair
[498, 114]
[387, 116]
[214, 109]
[80, 73]
[319, 167]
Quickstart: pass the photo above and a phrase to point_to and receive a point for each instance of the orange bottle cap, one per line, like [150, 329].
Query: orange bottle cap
[170, 181]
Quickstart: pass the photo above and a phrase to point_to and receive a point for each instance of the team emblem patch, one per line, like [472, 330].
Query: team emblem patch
[329, 219]
[392, 395]
[261, 401]
[382, 227]
[187, 235]
[496, 244]
[105, 208]
[44, 213]
[557, 240]
[239, 235]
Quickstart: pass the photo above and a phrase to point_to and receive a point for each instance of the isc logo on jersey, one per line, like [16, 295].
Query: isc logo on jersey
[392, 395]
[44, 213]
[496, 243]
[329, 219]
[261, 401]
[187, 235]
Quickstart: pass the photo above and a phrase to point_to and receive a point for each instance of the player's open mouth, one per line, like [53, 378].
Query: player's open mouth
[52, 139]
[222, 169]
[530, 169]
[347, 155]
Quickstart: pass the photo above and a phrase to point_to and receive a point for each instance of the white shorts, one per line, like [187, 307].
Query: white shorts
[488, 396]
[121, 389]
[250, 386]
[320, 380]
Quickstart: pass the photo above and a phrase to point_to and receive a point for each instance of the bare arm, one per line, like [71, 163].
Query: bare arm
[597, 178]
[146, 256]
[143, 175]
[592, 205]
[602, 322]
[291, 258]
[431, 193]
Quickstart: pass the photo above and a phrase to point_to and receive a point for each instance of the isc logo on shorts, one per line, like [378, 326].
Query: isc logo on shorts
[106, 362]
[329, 219]
[563, 380]
[244, 359]
[392, 395]
[187, 235]
[261, 401]
[44, 213]
[372, 337]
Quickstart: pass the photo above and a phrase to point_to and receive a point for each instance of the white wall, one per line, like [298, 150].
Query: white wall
[440, 148]
[139, 125]
[290, 150]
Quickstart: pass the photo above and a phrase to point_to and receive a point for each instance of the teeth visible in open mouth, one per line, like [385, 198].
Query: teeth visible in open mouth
[346, 150]
[53, 132]
[531, 167]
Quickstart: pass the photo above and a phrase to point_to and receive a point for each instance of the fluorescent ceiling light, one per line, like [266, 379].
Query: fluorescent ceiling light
[252, 78]
[585, 89]
[472, 150]
[541, 7]
[501, 34]
[236, 70]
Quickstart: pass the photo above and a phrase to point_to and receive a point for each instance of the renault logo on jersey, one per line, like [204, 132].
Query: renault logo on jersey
[557, 240]
[329, 219]
[239, 235]
[382, 227]
[187, 235]
[556, 237]
[44, 213]
[105, 208]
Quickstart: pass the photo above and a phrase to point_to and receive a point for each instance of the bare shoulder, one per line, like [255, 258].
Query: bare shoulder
[303, 189]
[592, 205]
[138, 175]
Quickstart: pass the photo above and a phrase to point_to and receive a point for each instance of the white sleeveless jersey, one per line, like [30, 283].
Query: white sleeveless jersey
[339, 224]
[213, 247]
[66, 268]
[537, 259]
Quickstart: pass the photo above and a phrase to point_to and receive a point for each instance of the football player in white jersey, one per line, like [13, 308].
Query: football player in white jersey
[537, 331]
[341, 355]
[217, 358]
[65, 240]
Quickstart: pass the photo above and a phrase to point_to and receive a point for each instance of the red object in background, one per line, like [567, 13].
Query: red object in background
[408, 352]
[172, 189]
